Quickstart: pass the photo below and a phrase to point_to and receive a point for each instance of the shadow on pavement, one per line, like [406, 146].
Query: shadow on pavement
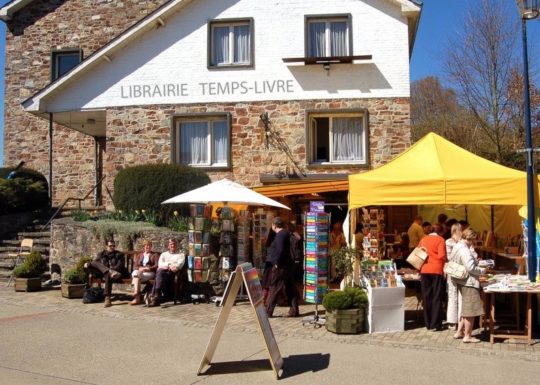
[230, 367]
[302, 363]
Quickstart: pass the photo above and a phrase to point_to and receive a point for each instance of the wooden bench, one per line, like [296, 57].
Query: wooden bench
[179, 284]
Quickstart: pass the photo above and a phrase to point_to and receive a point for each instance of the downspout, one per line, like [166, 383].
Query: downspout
[50, 158]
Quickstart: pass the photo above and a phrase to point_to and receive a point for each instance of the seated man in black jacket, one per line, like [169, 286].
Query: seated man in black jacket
[108, 265]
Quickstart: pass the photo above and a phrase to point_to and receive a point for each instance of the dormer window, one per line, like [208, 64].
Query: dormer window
[63, 61]
[231, 43]
[328, 36]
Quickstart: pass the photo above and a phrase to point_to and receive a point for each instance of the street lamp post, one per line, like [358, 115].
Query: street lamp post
[529, 9]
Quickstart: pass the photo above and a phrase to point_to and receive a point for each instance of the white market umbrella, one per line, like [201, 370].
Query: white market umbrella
[225, 191]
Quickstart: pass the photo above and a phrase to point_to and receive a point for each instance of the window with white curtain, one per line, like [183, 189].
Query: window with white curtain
[338, 138]
[231, 43]
[202, 141]
[327, 36]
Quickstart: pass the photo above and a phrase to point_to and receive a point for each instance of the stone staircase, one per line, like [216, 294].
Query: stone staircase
[42, 241]
[41, 237]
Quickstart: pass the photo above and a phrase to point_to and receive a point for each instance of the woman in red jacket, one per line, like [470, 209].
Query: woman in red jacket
[432, 283]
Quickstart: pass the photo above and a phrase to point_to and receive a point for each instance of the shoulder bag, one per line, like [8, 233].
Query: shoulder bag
[455, 269]
[417, 257]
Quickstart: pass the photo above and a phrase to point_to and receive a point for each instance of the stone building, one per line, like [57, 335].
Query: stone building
[261, 92]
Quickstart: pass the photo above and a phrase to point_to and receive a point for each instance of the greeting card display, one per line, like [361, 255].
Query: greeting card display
[316, 256]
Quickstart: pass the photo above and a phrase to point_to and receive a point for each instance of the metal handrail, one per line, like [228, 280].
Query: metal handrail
[74, 199]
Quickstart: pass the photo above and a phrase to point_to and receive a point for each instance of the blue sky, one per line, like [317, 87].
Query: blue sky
[439, 20]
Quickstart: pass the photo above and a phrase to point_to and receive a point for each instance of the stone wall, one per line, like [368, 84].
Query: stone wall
[72, 240]
[35, 31]
[138, 135]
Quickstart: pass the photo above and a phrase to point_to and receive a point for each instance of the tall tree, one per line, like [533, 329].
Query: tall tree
[436, 108]
[479, 61]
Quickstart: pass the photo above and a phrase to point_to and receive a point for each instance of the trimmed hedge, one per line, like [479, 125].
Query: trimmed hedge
[32, 267]
[28, 191]
[146, 186]
[350, 298]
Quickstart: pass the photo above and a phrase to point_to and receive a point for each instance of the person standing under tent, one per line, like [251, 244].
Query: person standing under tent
[432, 284]
[415, 232]
[452, 307]
[469, 288]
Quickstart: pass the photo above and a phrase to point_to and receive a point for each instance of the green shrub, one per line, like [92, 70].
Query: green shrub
[358, 296]
[337, 300]
[126, 233]
[77, 274]
[32, 267]
[146, 186]
[350, 298]
[28, 191]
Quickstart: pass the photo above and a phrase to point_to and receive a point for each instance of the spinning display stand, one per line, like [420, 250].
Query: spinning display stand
[198, 243]
[316, 263]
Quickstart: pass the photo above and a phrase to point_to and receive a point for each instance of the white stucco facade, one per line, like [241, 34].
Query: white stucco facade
[169, 64]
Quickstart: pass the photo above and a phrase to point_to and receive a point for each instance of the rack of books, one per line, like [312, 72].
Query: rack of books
[228, 259]
[242, 236]
[198, 243]
[317, 226]
[373, 243]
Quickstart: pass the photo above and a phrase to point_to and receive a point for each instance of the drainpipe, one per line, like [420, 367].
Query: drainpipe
[50, 158]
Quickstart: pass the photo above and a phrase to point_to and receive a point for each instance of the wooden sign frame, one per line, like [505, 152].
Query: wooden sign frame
[247, 274]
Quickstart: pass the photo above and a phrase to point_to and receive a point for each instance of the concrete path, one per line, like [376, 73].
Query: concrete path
[45, 339]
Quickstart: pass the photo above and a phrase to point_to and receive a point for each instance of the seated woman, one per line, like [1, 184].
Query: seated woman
[144, 269]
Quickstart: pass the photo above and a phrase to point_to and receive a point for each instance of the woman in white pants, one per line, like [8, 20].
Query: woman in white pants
[144, 269]
[452, 308]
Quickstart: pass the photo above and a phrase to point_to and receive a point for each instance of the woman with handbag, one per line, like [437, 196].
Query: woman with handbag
[432, 282]
[469, 288]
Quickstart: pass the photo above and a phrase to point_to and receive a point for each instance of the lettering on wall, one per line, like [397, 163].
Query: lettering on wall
[150, 91]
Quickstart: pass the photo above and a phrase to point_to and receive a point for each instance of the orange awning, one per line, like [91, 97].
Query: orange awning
[284, 189]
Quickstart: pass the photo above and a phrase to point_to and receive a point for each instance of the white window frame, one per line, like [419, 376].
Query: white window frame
[230, 24]
[328, 36]
[209, 120]
[312, 137]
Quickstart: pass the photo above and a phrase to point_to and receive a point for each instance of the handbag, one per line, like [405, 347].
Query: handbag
[93, 295]
[455, 270]
[417, 257]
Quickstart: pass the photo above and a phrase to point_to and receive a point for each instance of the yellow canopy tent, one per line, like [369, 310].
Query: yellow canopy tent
[435, 171]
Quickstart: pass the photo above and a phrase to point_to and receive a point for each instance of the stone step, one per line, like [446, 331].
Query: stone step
[5, 264]
[34, 234]
[17, 243]
[15, 249]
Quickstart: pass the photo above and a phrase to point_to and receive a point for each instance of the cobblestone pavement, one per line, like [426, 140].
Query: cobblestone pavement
[242, 320]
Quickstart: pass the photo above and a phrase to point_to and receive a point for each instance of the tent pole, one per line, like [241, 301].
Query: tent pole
[493, 219]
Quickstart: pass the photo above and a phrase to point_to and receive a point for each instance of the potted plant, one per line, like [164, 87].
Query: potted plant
[28, 274]
[343, 261]
[345, 310]
[74, 280]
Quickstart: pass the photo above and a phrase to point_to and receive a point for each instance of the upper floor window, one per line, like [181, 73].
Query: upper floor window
[231, 43]
[63, 61]
[202, 141]
[328, 36]
[338, 138]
